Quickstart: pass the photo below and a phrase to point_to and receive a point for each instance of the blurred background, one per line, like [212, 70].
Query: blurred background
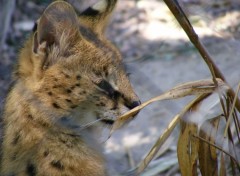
[158, 56]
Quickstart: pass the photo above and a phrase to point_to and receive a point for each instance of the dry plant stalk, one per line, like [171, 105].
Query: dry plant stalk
[233, 103]
[208, 154]
[192, 147]
[231, 111]
[191, 88]
[200, 88]
[161, 140]
[182, 19]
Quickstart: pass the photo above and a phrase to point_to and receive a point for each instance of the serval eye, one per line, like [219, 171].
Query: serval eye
[108, 89]
[104, 85]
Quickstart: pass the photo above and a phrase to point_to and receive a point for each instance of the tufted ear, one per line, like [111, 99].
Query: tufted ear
[97, 16]
[58, 21]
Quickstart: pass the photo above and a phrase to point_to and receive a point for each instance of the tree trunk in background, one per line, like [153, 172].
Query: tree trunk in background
[6, 10]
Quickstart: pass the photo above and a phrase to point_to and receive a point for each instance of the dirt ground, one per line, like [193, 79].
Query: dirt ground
[158, 55]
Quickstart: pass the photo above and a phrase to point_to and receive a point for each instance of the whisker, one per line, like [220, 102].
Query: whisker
[105, 120]
[89, 124]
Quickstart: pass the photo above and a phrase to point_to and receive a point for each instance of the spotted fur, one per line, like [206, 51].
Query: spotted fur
[68, 75]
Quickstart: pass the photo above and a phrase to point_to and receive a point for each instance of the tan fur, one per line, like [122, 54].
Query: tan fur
[67, 76]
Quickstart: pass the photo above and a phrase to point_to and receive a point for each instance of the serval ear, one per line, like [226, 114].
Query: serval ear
[97, 16]
[57, 26]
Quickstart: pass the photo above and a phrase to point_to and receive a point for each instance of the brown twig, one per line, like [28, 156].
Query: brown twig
[187, 27]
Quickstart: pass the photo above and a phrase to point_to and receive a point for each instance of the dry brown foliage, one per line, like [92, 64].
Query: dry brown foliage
[202, 141]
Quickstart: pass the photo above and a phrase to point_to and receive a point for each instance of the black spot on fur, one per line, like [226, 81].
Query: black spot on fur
[57, 164]
[30, 117]
[46, 153]
[65, 142]
[68, 100]
[78, 77]
[50, 93]
[67, 76]
[97, 72]
[55, 105]
[114, 108]
[83, 93]
[73, 87]
[102, 104]
[69, 91]
[105, 70]
[90, 12]
[77, 85]
[16, 139]
[43, 123]
[31, 170]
